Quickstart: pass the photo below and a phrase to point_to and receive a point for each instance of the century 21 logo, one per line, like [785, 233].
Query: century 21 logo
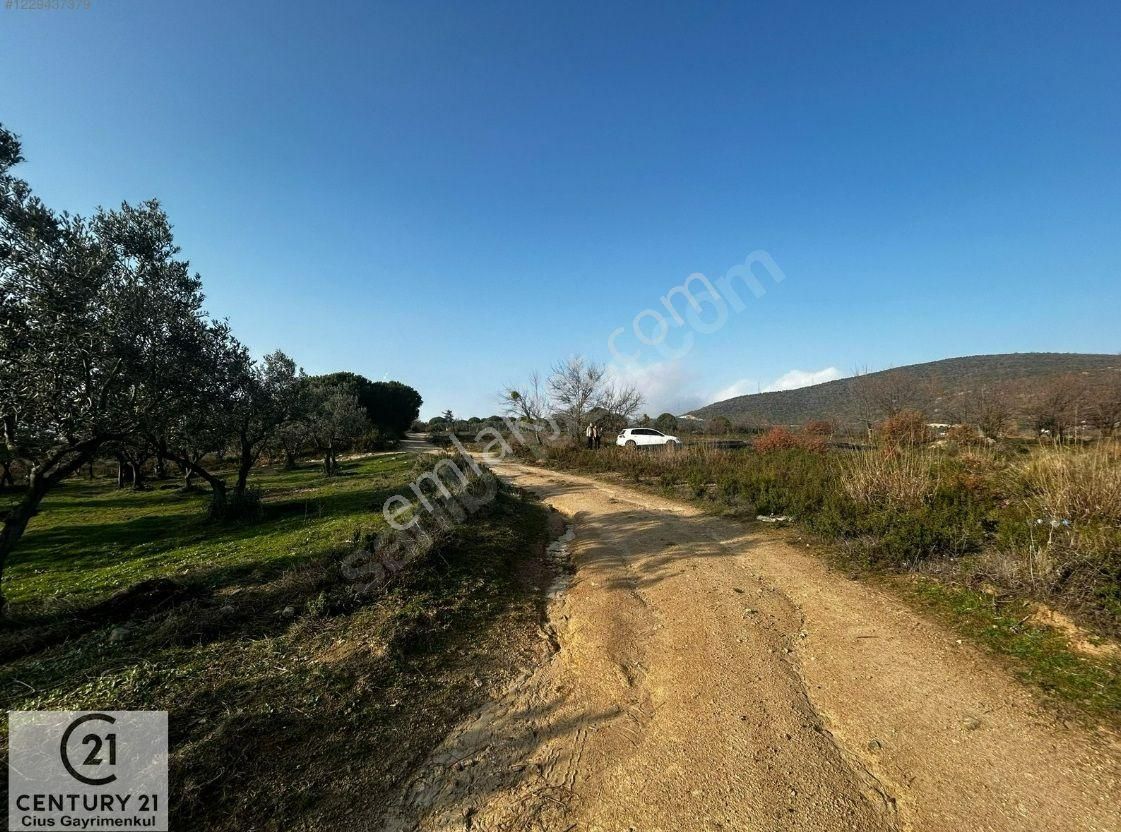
[103, 750]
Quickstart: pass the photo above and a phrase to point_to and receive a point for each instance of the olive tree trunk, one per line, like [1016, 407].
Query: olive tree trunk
[40, 479]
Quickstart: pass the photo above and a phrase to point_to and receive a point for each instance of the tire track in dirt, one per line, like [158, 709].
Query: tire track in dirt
[712, 677]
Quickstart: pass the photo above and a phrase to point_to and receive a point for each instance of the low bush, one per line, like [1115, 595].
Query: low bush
[776, 439]
[376, 439]
[964, 435]
[818, 427]
[907, 428]
[1059, 532]
[781, 439]
[899, 479]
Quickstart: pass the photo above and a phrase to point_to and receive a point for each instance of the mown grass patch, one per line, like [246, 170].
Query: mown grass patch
[295, 700]
[91, 539]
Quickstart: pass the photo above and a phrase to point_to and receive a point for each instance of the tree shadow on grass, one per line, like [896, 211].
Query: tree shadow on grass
[157, 545]
[297, 703]
[83, 545]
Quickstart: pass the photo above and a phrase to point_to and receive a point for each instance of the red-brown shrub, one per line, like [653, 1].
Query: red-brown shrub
[964, 435]
[905, 429]
[776, 439]
[816, 444]
[781, 439]
[818, 427]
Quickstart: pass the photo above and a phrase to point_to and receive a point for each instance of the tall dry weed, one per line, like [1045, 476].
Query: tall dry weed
[1081, 487]
[903, 478]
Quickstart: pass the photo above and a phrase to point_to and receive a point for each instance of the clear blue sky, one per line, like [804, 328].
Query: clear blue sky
[453, 194]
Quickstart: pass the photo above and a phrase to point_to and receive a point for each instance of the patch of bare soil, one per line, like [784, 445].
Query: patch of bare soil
[1079, 640]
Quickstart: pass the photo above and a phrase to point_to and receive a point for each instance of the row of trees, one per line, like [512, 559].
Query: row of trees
[105, 350]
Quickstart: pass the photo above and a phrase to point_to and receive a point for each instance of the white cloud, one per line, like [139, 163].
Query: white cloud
[666, 386]
[802, 378]
[671, 386]
[790, 380]
[737, 388]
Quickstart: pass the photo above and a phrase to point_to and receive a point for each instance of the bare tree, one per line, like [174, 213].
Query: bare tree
[574, 386]
[1103, 407]
[1059, 405]
[621, 400]
[989, 409]
[528, 404]
[888, 393]
[578, 386]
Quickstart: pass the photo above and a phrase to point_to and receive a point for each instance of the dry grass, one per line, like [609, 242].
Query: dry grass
[1076, 486]
[901, 478]
[1067, 540]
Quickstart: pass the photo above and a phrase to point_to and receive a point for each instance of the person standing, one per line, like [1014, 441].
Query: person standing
[589, 432]
[595, 436]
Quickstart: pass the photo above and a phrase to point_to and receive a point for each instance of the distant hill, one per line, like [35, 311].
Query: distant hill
[941, 389]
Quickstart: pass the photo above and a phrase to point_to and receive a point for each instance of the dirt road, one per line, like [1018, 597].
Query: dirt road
[706, 676]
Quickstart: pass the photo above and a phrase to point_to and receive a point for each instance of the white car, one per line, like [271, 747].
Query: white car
[637, 437]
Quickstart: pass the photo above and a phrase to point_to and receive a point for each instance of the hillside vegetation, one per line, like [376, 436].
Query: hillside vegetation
[946, 390]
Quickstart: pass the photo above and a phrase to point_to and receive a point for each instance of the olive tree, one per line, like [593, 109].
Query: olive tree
[98, 321]
[205, 421]
[336, 420]
[266, 397]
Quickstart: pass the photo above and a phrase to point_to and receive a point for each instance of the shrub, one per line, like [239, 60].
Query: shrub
[813, 443]
[818, 427]
[1060, 533]
[907, 428]
[719, 425]
[964, 435]
[781, 439]
[376, 439]
[776, 439]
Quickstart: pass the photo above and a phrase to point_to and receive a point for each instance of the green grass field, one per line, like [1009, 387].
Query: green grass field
[294, 699]
[91, 539]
